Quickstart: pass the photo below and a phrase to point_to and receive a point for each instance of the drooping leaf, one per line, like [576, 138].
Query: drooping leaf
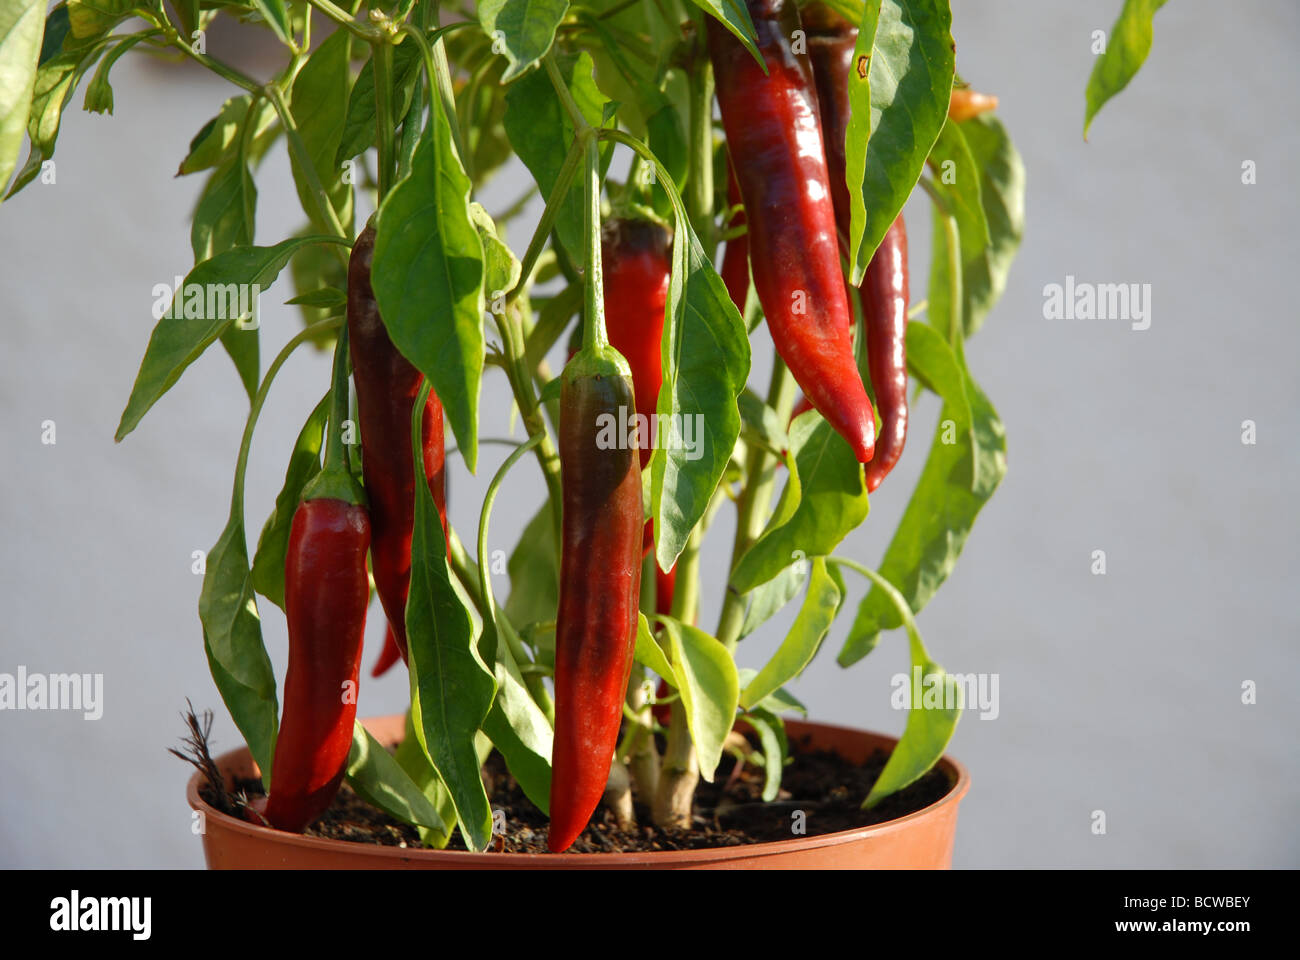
[771, 735]
[379, 780]
[767, 599]
[451, 688]
[734, 15]
[534, 572]
[319, 105]
[178, 341]
[232, 638]
[705, 353]
[1002, 193]
[957, 180]
[99, 92]
[218, 140]
[276, 14]
[804, 639]
[899, 88]
[428, 279]
[359, 126]
[1127, 47]
[834, 502]
[709, 687]
[650, 654]
[501, 267]
[518, 728]
[273, 544]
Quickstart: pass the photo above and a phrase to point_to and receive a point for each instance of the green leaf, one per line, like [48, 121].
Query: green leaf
[178, 341]
[320, 98]
[428, 279]
[22, 25]
[99, 92]
[320, 281]
[359, 125]
[709, 687]
[541, 133]
[94, 18]
[934, 364]
[326, 298]
[217, 141]
[520, 731]
[930, 724]
[1126, 50]
[1002, 193]
[706, 363]
[523, 30]
[767, 599]
[232, 638]
[804, 639]
[961, 473]
[957, 179]
[56, 80]
[534, 572]
[451, 688]
[834, 502]
[379, 780]
[273, 544]
[276, 14]
[771, 734]
[501, 268]
[734, 15]
[649, 653]
[410, 756]
[760, 425]
[783, 701]
[896, 112]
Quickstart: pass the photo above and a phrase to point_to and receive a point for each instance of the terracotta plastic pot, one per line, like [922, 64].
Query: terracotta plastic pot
[919, 840]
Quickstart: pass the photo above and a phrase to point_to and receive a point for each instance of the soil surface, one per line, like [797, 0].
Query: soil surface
[728, 812]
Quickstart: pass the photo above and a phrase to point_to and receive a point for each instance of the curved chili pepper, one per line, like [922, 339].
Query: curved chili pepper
[387, 656]
[735, 261]
[884, 288]
[387, 385]
[600, 585]
[775, 138]
[326, 592]
[967, 103]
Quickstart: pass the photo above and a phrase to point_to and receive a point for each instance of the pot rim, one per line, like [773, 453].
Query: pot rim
[957, 772]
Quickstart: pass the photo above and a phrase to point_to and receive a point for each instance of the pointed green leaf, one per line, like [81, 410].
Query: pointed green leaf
[379, 780]
[534, 572]
[649, 653]
[734, 15]
[1126, 50]
[428, 279]
[520, 731]
[522, 30]
[804, 639]
[709, 687]
[896, 112]
[359, 125]
[1002, 194]
[22, 25]
[319, 105]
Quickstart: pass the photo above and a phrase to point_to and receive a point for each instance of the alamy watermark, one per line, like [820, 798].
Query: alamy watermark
[208, 301]
[627, 431]
[929, 691]
[1081, 300]
[53, 691]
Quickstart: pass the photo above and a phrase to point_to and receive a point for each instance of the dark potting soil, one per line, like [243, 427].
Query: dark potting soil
[728, 812]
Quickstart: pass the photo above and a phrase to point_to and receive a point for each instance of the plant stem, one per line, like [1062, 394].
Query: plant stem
[678, 776]
[344, 19]
[383, 58]
[435, 65]
[255, 411]
[754, 502]
[594, 336]
[558, 194]
[335, 449]
[299, 151]
[699, 194]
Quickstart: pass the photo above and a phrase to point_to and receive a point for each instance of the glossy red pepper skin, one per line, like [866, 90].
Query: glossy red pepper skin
[600, 585]
[326, 592]
[636, 271]
[735, 261]
[884, 288]
[388, 656]
[774, 136]
[387, 385]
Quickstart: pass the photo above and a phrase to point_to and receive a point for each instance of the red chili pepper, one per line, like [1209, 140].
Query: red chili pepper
[387, 385]
[735, 262]
[388, 656]
[775, 139]
[600, 582]
[326, 592]
[967, 103]
[884, 288]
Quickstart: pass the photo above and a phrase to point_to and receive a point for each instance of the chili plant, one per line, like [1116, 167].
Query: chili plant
[594, 677]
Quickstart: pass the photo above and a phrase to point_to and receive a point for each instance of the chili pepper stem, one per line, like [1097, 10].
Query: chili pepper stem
[699, 198]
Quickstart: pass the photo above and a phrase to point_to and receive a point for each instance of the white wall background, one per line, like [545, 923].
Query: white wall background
[1118, 693]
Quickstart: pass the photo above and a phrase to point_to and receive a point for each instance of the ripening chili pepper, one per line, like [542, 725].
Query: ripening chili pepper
[735, 261]
[636, 267]
[388, 656]
[326, 592]
[967, 103]
[387, 385]
[884, 288]
[600, 584]
[774, 137]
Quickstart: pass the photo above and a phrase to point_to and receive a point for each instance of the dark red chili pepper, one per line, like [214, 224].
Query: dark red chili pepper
[884, 288]
[326, 592]
[967, 103]
[775, 140]
[600, 583]
[387, 385]
[735, 261]
[388, 656]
